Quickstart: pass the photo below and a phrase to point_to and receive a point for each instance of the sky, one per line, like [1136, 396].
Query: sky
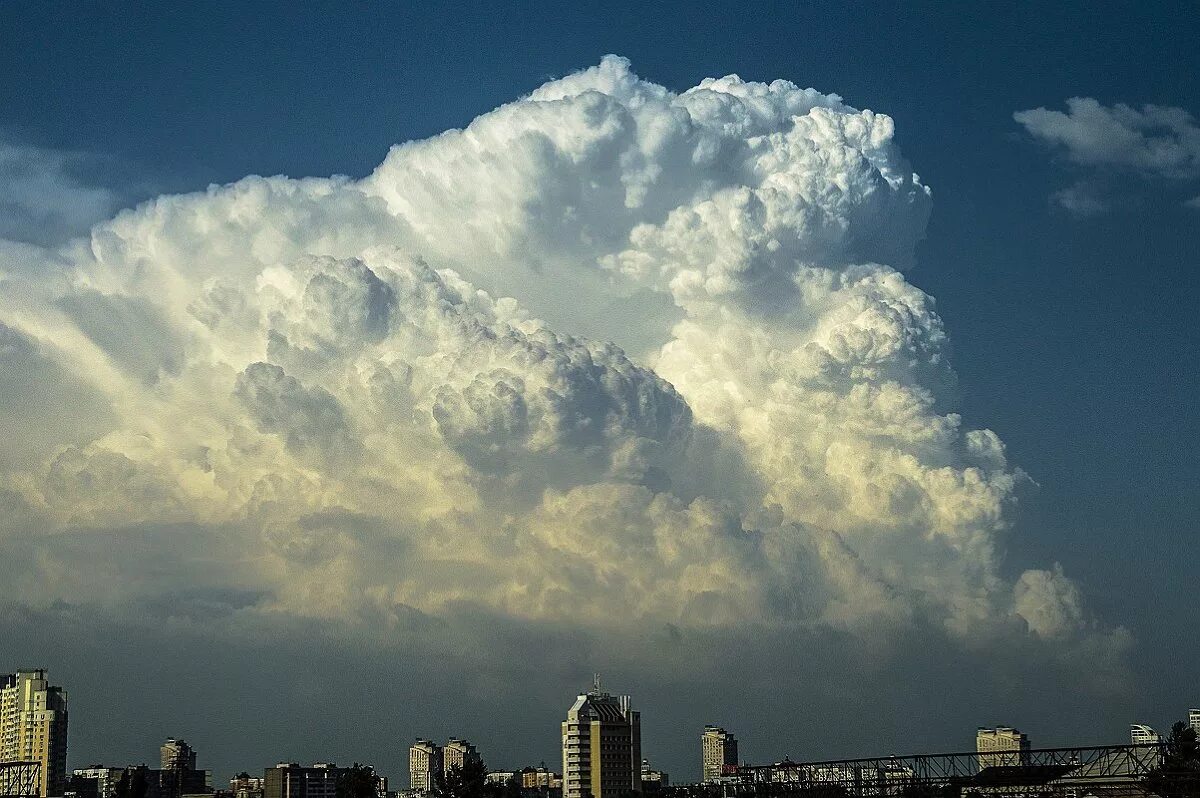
[376, 371]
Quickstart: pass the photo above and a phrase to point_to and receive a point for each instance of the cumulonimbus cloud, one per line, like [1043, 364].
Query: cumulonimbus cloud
[368, 396]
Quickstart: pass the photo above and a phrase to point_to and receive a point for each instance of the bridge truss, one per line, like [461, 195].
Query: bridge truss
[20, 779]
[1068, 772]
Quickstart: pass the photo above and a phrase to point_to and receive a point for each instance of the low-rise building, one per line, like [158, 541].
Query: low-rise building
[243, 785]
[96, 780]
[319, 780]
[653, 781]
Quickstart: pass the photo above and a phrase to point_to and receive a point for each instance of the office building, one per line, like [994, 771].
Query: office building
[1142, 735]
[1001, 746]
[602, 747]
[720, 753]
[457, 753]
[1194, 719]
[33, 727]
[424, 761]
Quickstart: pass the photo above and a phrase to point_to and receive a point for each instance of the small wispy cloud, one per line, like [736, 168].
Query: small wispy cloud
[1154, 143]
[1079, 200]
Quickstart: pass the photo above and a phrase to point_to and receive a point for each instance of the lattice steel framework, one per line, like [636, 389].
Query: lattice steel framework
[1045, 771]
[20, 779]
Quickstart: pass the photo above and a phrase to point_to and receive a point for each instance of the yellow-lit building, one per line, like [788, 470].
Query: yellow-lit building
[1001, 746]
[602, 747]
[33, 727]
[720, 752]
[424, 762]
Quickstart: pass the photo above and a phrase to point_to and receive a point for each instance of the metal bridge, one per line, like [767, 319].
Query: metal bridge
[1071, 772]
[20, 779]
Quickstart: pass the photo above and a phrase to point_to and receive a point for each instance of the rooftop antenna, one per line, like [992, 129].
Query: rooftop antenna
[595, 682]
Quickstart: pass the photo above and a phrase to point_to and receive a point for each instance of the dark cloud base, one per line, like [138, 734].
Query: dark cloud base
[249, 689]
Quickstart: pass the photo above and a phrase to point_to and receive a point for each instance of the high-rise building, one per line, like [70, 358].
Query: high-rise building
[720, 751]
[177, 775]
[424, 761]
[1142, 735]
[1194, 719]
[457, 753]
[177, 755]
[602, 747]
[1001, 746]
[33, 727]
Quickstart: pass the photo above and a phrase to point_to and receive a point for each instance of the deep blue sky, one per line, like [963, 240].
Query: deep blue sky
[1074, 339]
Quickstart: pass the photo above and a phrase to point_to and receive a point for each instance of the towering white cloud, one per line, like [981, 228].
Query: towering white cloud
[368, 397]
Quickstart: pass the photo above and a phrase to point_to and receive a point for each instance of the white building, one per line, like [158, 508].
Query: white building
[1194, 719]
[1140, 734]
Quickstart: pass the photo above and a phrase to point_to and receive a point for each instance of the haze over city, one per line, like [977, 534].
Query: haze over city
[827, 373]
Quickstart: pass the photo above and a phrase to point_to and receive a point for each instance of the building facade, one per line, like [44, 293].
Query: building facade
[33, 727]
[602, 747]
[457, 753]
[719, 749]
[541, 779]
[1140, 734]
[1194, 719]
[424, 761]
[1001, 746]
[177, 755]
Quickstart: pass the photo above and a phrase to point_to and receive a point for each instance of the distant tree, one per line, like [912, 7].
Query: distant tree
[466, 781]
[357, 782]
[1178, 773]
[471, 781]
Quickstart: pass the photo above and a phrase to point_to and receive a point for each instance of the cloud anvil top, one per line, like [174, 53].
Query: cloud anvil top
[357, 399]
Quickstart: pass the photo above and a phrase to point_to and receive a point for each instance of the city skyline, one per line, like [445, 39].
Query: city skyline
[595, 721]
[824, 371]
